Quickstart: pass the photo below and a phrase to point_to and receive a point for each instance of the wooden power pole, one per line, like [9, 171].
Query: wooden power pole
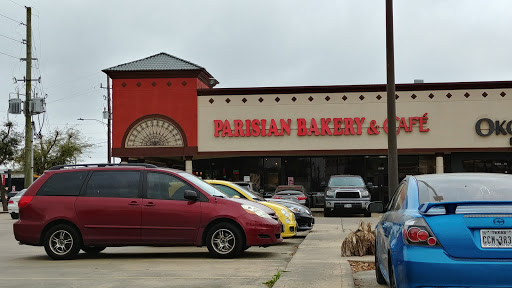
[109, 123]
[391, 103]
[28, 115]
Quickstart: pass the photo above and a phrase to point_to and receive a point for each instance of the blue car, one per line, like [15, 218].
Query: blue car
[446, 230]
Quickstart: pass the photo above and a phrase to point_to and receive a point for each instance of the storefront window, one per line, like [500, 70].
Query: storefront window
[482, 162]
[311, 172]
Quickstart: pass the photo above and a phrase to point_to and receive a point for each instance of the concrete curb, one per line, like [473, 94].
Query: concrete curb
[348, 277]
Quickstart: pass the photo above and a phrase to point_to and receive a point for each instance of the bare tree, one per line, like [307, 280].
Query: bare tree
[59, 147]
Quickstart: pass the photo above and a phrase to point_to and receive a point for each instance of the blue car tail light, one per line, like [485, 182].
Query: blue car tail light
[417, 232]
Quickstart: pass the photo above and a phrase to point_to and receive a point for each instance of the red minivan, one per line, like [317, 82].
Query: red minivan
[94, 206]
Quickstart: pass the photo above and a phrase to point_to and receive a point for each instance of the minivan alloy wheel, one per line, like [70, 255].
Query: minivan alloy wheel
[223, 241]
[62, 242]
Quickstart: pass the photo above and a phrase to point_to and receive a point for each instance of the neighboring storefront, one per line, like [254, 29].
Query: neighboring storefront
[166, 111]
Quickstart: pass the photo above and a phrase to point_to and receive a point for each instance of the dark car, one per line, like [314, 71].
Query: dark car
[446, 230]
[348, 194]
[303, 215]
[91, 207]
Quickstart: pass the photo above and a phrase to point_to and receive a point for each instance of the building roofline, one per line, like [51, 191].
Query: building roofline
[356, 88]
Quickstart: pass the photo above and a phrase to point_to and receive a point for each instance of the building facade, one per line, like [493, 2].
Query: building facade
[166, 111]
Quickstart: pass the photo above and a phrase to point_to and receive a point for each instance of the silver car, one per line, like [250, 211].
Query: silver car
[12, 206]
[291, 195]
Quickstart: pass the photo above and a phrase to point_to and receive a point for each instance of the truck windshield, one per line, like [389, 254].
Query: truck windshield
[346, 181]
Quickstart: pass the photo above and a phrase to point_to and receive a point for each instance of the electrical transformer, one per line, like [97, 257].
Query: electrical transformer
[15, 106]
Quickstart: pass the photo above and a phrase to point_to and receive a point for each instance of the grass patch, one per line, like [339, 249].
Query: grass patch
[270, 283]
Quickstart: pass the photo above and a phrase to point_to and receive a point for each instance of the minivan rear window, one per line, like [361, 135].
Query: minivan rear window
[63, 184]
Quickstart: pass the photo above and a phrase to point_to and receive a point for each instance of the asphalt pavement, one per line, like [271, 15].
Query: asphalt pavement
[311, 259]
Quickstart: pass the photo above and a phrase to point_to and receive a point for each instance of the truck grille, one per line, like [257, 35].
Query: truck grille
[348, 195]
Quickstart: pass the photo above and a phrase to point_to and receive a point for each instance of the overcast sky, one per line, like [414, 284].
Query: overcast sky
[245, 44]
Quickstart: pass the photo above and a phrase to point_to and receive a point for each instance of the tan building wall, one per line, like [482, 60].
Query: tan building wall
[451, 119]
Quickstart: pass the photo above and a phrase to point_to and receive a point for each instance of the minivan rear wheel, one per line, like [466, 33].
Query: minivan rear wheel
[62, 242]
[224, 240]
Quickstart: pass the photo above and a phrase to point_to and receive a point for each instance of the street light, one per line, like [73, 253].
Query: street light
[108, 135]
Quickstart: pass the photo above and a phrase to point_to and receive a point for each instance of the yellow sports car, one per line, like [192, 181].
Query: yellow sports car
[285, 215]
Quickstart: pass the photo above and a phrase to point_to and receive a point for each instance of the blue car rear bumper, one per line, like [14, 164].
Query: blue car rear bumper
[433, 267]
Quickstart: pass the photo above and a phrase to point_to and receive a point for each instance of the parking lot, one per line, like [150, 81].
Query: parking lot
[27, 266]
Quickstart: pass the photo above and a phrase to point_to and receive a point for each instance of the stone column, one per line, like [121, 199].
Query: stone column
[188, 164]
[439, 163]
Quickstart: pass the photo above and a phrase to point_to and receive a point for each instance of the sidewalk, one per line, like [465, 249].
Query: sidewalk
[318, 261]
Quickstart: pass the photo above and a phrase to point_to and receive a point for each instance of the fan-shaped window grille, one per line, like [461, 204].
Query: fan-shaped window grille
[154, 132]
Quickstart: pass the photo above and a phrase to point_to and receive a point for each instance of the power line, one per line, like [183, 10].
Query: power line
[74, 80]
[79, 94]
[9, 55]
[12, 39]
[19, 22]
[17, 4]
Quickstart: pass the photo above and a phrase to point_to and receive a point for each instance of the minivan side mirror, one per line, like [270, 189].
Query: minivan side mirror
[190, 195]
[375, 207]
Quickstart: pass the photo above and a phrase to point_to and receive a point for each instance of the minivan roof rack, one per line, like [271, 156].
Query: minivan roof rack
[59, 167]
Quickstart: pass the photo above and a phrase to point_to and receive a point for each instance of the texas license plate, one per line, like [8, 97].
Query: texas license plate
[348, 206]
[497, 238]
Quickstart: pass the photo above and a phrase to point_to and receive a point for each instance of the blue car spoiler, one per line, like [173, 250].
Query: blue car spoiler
[450, 207]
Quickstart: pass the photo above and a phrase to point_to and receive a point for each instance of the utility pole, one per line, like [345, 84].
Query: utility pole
[391, 103]
[107, 114]
[109, 119]
[28, 115]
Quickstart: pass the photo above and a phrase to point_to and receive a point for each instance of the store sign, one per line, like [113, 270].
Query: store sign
[315, 127]
[486, 127]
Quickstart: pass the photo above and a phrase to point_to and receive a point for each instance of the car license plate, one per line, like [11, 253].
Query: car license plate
[497, 238]
[348, 205]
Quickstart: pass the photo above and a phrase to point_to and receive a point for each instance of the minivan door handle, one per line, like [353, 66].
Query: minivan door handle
[149, 204]
[133, 203]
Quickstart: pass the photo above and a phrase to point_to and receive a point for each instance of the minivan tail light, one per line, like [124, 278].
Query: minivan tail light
[417, 232]
[302, 197]
[24, 201]
[276, 197]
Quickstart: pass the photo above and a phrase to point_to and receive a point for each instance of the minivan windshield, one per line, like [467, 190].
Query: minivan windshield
[348, 181]
[203, 185]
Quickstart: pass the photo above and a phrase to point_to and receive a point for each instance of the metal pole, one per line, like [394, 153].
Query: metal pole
[391, 107]
[109, 144]
[28, 117]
